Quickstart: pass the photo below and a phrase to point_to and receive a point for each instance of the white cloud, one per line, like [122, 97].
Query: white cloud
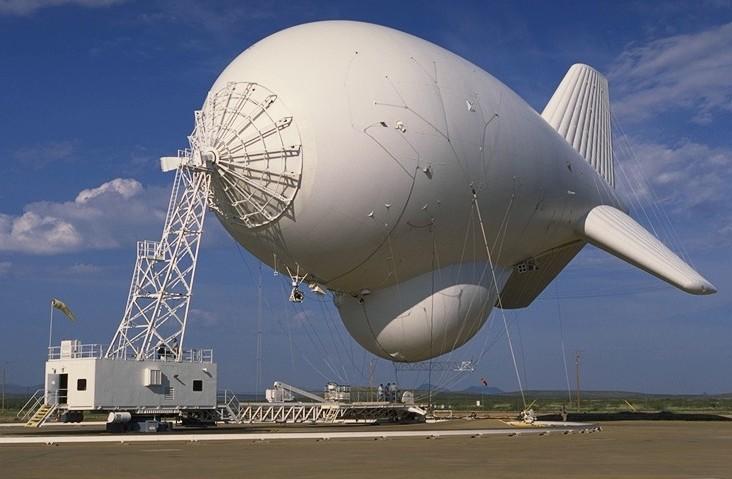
[126, 188]
[116, 213]
[28, 7]
[40, 155]
[685, 177]
[690, 71]
[681, 192]
[683, 187]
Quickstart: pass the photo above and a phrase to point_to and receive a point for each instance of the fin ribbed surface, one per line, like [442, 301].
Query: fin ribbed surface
[619, 234]
[580, 111]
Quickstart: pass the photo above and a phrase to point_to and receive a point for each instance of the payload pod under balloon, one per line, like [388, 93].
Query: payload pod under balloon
[415, 186]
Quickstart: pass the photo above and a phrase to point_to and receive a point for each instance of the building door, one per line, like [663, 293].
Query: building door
[63, 388]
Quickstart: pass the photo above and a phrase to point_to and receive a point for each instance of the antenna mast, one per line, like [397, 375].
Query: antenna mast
[156, 314]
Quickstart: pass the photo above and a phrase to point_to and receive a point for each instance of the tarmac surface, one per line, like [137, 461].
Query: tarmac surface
[647, 449]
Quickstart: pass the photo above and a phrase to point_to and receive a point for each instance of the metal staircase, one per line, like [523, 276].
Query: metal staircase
[35, 412]
[228, 407]
[41, 415]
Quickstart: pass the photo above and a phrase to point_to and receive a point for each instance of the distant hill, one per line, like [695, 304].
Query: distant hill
[595, 394]
[472, 390]
[482, 390]
[17, 389]
[558, 394]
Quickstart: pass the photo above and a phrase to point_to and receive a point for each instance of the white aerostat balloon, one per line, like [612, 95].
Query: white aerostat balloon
[411, 183]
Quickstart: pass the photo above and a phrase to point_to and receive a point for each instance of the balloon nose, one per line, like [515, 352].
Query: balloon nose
[251, 144]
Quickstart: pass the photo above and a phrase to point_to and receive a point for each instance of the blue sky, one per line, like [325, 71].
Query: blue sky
[94, 91]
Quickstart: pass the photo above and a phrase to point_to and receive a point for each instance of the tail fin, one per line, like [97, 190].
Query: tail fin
[580, 111]
[618, 234]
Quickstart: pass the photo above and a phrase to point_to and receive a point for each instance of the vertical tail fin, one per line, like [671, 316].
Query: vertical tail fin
[580, 111]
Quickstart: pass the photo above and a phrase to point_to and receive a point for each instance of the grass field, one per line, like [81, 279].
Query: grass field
[590, 401]
[509, 404]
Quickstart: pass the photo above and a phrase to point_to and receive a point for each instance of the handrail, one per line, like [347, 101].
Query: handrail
[29, 409]
[197, 355]
[96, 351]
[188, 356]
[75, 351]
[228, 406]
[228, 398]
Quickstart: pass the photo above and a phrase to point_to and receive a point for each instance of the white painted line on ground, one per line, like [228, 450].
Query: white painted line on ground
[118, 438]
[87, 423]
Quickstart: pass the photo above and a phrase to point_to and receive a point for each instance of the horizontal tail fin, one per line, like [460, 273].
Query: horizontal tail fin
[618, 234]
[580, 111]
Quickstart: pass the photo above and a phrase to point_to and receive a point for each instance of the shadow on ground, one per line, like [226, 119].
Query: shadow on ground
[635, 416]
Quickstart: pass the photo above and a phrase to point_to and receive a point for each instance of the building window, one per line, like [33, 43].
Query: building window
[197, 385]
[81, 384]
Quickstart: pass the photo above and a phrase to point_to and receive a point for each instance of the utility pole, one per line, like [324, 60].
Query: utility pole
[577, 361]
[372, 365]
[3, 387]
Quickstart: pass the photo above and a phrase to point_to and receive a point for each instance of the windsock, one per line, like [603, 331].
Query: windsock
[61, 306]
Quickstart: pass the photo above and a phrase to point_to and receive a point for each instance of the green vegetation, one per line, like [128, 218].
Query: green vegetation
[544, 402]
[547, 402]
[13, 403]
[590, 401]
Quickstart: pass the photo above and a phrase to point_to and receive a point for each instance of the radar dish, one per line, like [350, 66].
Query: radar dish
[251, 145]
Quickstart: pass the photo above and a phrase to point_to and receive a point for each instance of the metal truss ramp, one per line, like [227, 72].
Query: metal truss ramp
[326, 412]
